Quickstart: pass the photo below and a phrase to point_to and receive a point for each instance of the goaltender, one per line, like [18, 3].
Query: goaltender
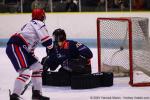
[73, 57]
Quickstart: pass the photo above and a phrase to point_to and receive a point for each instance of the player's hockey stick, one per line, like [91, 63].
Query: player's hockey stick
[26, 87]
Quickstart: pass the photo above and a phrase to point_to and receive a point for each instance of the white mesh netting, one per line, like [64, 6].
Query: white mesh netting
[114, 41]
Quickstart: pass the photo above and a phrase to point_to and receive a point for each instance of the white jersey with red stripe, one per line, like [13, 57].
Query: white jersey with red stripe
[35, 32]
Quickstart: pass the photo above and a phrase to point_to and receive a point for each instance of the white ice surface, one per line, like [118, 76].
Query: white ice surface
[119, 91]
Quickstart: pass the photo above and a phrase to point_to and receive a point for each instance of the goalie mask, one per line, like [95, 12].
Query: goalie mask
[38, 14]
[59, 35]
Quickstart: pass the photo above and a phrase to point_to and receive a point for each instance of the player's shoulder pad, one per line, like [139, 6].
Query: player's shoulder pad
[38, 22]
[75, 43]
[71, 42]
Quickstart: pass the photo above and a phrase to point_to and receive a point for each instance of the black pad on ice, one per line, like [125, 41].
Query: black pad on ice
[87, 81]
[56, 79]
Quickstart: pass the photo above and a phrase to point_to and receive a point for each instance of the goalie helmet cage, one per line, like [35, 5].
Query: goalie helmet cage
[124, 42]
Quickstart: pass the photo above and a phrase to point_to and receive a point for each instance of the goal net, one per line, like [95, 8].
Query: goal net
[124, 49]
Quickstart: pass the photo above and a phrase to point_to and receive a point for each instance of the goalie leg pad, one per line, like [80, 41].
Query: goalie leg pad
[56, 79]
[104, 79]
[85, 81]
[88, 81]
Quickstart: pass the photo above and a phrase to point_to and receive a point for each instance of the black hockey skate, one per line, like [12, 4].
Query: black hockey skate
[37, 96]
[14, 97]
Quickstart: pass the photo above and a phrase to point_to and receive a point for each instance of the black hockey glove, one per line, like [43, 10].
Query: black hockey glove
[53, 50]
[45, 63]
[50, 62]
[75, 65]
[50, 51]
[44, 59]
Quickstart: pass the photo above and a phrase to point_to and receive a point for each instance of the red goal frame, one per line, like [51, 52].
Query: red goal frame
[128, 20]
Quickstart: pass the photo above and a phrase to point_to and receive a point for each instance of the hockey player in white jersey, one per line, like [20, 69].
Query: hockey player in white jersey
[20, 50]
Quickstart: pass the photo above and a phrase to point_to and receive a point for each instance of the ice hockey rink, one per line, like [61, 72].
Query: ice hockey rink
[121, 90]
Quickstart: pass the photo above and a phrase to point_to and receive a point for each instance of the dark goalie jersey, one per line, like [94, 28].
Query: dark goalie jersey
[64, 54]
